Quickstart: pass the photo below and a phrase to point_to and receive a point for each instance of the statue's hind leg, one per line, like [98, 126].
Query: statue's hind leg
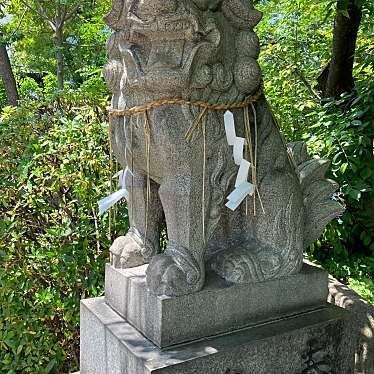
[277, 244]
[142, 240]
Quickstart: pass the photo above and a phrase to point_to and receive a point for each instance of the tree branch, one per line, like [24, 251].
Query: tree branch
[64, 12]
[72, 13]
[18, 26]
[301, 76]
[40, 12]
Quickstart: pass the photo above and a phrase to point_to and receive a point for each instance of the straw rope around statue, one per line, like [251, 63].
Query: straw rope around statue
[198, 103]
[251, 147]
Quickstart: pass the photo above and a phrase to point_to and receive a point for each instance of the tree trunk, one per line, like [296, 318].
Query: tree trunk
[339, 77]
[59, 58]
[7, 76]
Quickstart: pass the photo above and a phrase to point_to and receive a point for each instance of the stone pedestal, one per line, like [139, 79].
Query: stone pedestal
[280, 327]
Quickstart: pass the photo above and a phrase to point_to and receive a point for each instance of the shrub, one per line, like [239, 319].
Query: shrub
[2, 95]
[344, 133]
[53, 169]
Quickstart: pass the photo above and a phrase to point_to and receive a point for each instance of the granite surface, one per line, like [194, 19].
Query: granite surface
[362, 322]
[321, 340]
[218, 308]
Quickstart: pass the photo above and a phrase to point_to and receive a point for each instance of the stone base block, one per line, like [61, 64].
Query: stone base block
[318, 341]
[219, 307]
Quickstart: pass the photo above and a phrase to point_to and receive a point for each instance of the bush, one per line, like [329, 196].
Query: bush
[344, 133]
[30, 89]
[53, 168]
[296, 44]
[2, 95]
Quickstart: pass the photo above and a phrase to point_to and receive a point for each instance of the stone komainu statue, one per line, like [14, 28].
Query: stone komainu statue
[204, 50]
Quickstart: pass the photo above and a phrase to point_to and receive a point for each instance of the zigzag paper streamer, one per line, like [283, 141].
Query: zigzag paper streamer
[242, 187]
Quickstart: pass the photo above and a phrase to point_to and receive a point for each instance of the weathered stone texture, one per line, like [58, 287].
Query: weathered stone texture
[205, 51]
[220, 307]
[284, 346]
[363, 322]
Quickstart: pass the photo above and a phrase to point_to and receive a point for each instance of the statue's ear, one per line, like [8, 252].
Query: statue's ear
[116, 18]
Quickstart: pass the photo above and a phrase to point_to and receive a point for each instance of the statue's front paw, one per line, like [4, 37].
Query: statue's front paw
[175, 273]
[131, 250]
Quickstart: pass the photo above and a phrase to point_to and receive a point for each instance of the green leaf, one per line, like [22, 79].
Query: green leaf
[343, 167]
[355, 194]
[50, 366]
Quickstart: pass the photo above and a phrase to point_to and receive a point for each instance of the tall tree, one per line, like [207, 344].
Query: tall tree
[6, 71]
[337, 76]
[62, 12]
[7, 75]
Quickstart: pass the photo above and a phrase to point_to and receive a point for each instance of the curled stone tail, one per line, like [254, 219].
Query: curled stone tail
[320, 209]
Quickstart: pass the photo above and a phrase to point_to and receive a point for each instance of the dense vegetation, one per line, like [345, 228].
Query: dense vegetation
[297, 41]
[54, 160]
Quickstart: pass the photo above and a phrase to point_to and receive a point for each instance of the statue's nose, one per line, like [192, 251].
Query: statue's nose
[156, 7]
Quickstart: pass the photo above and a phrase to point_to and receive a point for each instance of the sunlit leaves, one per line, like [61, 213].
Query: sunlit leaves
[296, 45]
[295, 42]
[33, 43]
[53, 169]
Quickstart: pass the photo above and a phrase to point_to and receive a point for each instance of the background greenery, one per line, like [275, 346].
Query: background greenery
[296, 44]
[54, 166]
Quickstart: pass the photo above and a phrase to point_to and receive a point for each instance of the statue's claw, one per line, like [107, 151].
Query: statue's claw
[175, 273]
[130, 250]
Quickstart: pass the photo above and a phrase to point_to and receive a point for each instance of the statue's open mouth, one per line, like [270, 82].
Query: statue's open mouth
[165, 55]
[163, 46]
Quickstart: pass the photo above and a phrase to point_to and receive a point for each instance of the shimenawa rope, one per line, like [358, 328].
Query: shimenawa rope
[144, 109]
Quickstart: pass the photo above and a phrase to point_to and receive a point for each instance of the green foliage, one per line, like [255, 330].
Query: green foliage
[363, 285]
[2, 95]
[355, 270]
[93, 84]
[30, 89]
[342, 6]
[33, 43]
[53, 169]
[344, 133]
[296, 42]
[49, 85]
[296, 46]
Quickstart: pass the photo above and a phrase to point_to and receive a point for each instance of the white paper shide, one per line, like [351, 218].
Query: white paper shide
[243, 188]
